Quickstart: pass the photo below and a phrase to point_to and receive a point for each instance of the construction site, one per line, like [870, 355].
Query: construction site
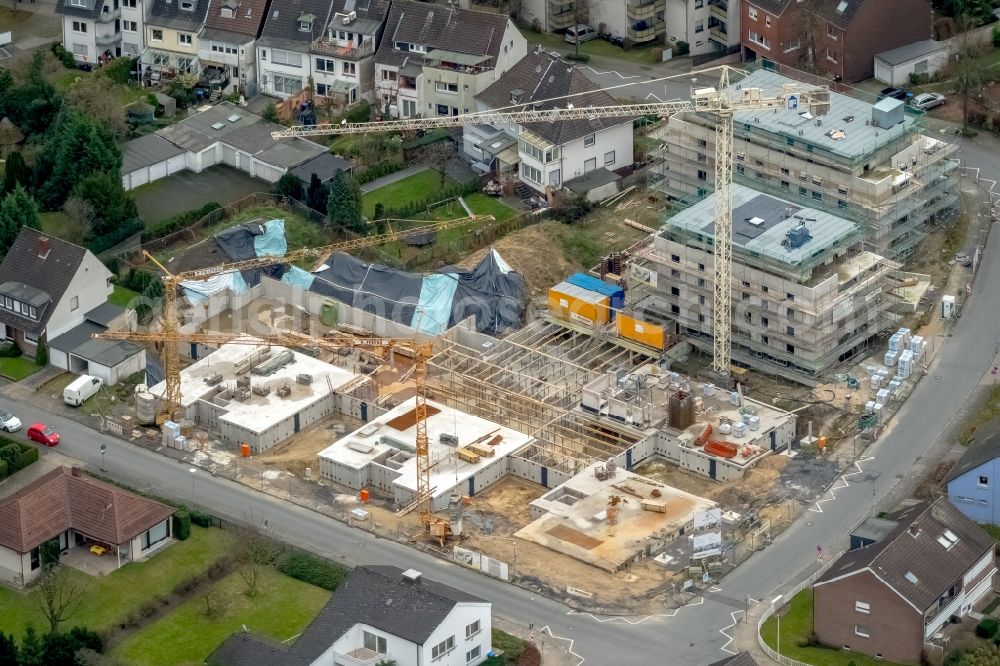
[651, 421]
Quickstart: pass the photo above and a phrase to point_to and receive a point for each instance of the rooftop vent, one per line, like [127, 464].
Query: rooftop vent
[218, 126]
[411, 576]
[799, 236]
[756, 221]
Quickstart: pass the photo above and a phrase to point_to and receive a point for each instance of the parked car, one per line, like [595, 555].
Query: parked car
[580, 34]
[9, 422]
[80, 389]
[43, 434]
[893, 92]
[925, 101]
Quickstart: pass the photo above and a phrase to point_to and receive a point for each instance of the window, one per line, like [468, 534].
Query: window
[791, 313]
[155, 535]
[555, 177]
[675, 258]
[36, 558]
[699, 25]
[766, 340]
[790, 349]
[74, 303]
[323, 89]
[862, 607]
[445, 110]
[861, 630]
[792, 45]
[388, 75]
[702, 175]
[443, 648]
[984, 482]
[351, 69]
[590, 165]
[130, 26]
[698, 4]
[531, 173]
[79, 26]
[764, 321]
[789, 296]
[818, 196]
[757, 38]
[78, 3]
[550, 154]
[472, 629]
[446, 87]
[790, 330]
[701, 282]
[473, 654]
[187, 5]
[324, 65]
[675, 291]
[287, 58]
[763, 288]
[674, 273]
[589, 140]
[375, 643]
[132, 4]
[184, 38]
[287, 85]
[831, 32]
[785, 184]
[831, 55]
[675, 309]
[752, 12]
[305, 26]
[609, 158]
[701, 267]
[157, 35]
[767, 21]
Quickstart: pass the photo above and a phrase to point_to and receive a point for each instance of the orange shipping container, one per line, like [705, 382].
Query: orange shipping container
[578, 304]
[640, 331]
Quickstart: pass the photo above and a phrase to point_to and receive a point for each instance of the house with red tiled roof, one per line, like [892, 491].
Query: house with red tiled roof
[79, 511]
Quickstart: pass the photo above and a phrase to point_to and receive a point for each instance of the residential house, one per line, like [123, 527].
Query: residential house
[434, 60]
[343, 56]
[227, 45]
[50, 288]
[974, 481]
[379, 614]
[548, 153]
[868, 162]
[172, 39]
[836, 38]
[284, 65]
[890, 598]
[79, 511]
[91, 28]
[806, 296]
[134, 16]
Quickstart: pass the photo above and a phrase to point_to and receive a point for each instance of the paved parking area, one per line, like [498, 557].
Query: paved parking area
[187, 190]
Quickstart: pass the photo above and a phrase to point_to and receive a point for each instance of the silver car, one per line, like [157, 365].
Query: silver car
[926, 101]
[9, 422]
[580, 33]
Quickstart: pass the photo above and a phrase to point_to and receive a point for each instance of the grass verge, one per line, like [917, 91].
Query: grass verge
[122, 296]
[644, 55]
[187, 635]
[988, 410]
[18, 368]
[113, 598]
[415, 187]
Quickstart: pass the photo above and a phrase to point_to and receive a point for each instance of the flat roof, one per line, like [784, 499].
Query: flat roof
[258, 413]
[361, 447]
[592, 179]
[761, 222]
[847, 116]
[908, 52]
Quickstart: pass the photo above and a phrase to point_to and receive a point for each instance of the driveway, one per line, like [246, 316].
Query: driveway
[187, 190]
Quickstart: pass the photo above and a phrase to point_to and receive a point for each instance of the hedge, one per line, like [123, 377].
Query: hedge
[10, 350]
[15, 456]
[987, 628]
[178, 222]
[377, 171]
[182, 524]
[201, 519]
[414, 207]
[313, 570]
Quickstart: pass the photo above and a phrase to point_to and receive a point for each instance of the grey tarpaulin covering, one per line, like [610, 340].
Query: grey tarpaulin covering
[491, 292]
[238, 245]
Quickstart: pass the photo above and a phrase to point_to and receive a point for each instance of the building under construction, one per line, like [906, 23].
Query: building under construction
[806, 296]
[864, 159]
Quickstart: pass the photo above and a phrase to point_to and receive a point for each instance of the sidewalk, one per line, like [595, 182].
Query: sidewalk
[391, 178]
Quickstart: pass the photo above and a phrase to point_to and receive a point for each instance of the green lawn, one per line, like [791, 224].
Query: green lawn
[111, 599]
[122, 296]
[480, 205]
[796, 625]
[18, 368]
[55, 223]
[282, 609]
[646, 55]
[417, 187]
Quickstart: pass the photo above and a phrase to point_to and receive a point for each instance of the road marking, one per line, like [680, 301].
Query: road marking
[618, 74]
[639, 620]
[842, 479]
[725, 648]
[654, 96]
[569, 648]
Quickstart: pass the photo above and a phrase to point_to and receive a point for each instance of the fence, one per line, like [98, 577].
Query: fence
[769, 610]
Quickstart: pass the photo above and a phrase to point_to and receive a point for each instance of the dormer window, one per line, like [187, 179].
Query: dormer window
[229, 8]
[306, 22]
[78, 3]
[227, 12]
[187, 5]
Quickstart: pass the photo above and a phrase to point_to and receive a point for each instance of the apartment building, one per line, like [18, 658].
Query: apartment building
[865, 161]
[556, 15]
[836, 38]
[172, 39]
[343, 57]
[91, 29]
[806, 297]
[434, 60]
[226, 47]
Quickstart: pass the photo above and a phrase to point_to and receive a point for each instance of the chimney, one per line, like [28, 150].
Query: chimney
[914, 530]
[74, 470]
[538, 48]
[44, 246]
[412, 576]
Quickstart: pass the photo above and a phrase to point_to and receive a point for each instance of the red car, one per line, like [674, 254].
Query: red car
[43, 434]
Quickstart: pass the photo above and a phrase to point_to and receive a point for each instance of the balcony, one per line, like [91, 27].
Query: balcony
[109, 15]
[564, 15]
[361, 656]
[718, 34]
[719, 9]
[329, 47]
[106, 40]
[643, 32]
[639, 10]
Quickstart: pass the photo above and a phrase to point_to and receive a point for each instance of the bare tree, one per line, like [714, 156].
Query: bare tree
[581, 16]
[438, 156]
[970, 68]
[807, 23]
[57, 597]
[254, 551]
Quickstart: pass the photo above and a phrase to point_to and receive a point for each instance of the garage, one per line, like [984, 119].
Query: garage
[148, 158]
[111, 360]
[924, 58]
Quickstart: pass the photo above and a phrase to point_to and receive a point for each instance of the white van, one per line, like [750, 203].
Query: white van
[82, 388]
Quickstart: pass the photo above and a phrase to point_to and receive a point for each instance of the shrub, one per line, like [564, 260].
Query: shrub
[313, 570]
[578, 57]
[119, 70]
[919, 79]
[996, 36]
[681, 49]
[178, 222]
[10, 350]
[270, 114]
[359, 113]
[511, 646]
[987, 628]
[200, 519]
[41, 353]
[3, 469]
[64, 56]
[182, 524]
[11, 454]
[49, 552]
[530, 657]
[28, 456]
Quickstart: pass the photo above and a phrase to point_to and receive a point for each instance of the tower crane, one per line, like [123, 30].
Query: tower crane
[173, 281]
[722, 99]
[421, 350]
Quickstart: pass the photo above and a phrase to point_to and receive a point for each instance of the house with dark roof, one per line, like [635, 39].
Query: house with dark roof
[343, 55]
[548, 155]
[54, 290]
[974, 481]
[172, 30]
[290, 28]
[379, 614]
[79, 511]
[434, 60]
[837, 38]
[96, 29]
[893, 596]
[227, 44]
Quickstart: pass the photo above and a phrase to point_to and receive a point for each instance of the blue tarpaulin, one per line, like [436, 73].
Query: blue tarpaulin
[297, 277]
[437, 292]
[197, 291]
[272, 242]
